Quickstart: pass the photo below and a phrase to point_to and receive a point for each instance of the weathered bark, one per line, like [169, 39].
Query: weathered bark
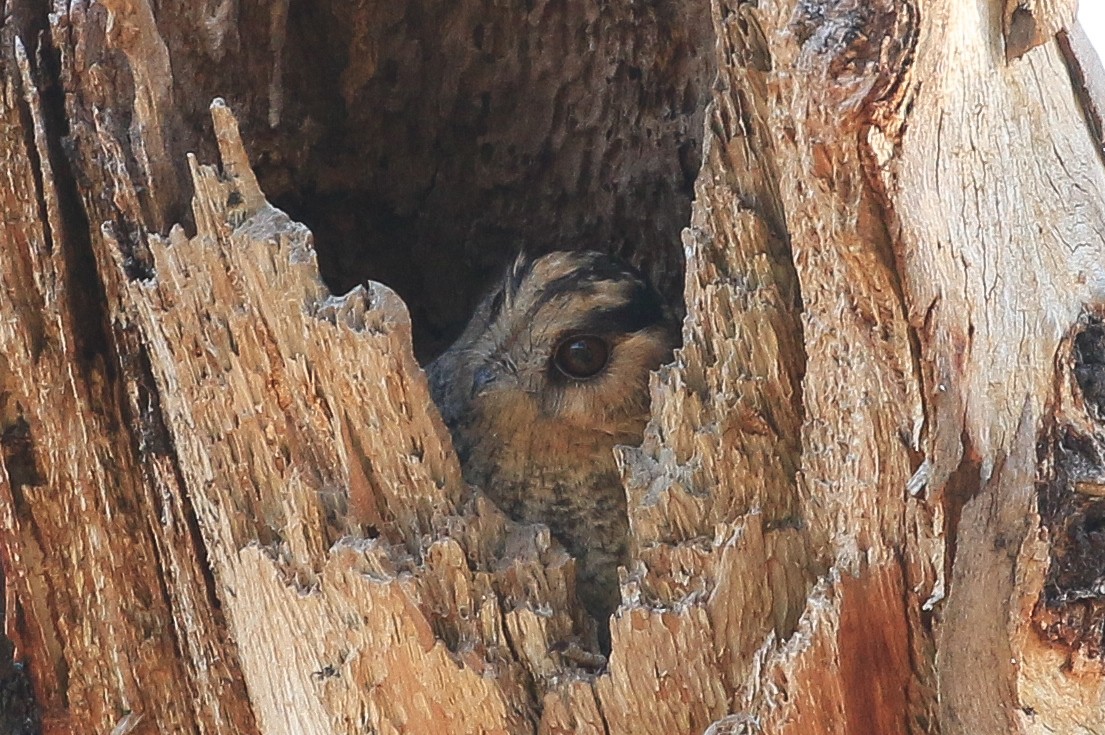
[870, 496]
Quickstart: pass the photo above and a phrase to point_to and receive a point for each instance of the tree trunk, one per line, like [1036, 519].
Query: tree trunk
[872, 495]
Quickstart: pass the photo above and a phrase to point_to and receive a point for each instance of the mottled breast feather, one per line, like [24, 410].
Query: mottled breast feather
[551, 374]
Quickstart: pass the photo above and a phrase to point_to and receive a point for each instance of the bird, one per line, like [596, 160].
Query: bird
[549, 375]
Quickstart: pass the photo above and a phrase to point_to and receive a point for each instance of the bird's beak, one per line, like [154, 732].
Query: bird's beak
[493, 375]
[482, 379]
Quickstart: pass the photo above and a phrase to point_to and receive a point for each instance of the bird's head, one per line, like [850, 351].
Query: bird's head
[569, 337]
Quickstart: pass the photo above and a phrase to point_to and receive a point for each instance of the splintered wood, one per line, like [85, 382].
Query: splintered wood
[228, 505]
[362, 582]
[360, 579]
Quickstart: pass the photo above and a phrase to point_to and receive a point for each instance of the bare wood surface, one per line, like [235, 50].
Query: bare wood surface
[107, 603]
[869, 499]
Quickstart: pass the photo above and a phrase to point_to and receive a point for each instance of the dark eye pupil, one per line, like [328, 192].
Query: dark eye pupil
[581, 357]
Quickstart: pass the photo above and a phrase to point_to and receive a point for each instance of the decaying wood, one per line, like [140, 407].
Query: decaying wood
[330, 501]
[869, 500]
[1030, 23]
[106, 591]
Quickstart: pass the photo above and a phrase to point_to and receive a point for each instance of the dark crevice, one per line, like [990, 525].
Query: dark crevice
[19, 713]
[27, 123]
[1071, 502]
[152, 441]
[86, 298]
[475, 133]
[19, 458]
[1089, 368]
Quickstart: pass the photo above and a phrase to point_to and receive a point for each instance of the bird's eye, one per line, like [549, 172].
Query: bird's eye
[582, 356]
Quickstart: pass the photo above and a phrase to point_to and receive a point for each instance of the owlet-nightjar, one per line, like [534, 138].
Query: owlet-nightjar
[549, 375]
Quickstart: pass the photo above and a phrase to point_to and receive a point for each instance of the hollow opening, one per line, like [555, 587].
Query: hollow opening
[426, 145]
[1072, 504]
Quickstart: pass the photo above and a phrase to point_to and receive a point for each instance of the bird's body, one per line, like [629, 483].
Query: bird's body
[551, 374]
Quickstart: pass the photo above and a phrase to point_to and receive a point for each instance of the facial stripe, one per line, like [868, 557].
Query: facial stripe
[589, 277]
[582, 293]
[641, 310]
